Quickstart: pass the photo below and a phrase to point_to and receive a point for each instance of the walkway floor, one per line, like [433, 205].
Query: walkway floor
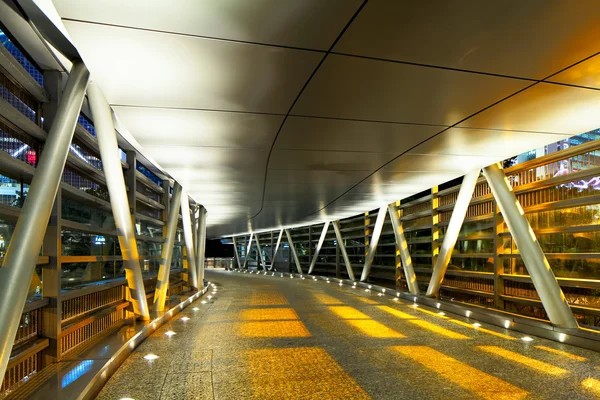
[265, 337]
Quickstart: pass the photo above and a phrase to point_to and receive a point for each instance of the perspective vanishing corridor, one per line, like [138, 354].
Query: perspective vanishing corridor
[265, 337]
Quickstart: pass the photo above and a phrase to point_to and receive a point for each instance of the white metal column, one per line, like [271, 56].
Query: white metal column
[276, 249]
[402, 247]
[201, 244]
[456, 220]
[342, 247]
[248, 250]
[313, 262]
[237, 254]
[373, 244]
[21, 256]
[162, 281]
[535, 261]
[293, 249]
[260, 255]
[115, 181]
[186, 221]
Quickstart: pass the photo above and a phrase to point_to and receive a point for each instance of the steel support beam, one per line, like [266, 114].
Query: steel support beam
[237, 254]
[402, 248]
[260, 255]
[373, 244]
[293, 250]
[340, 242]
[456, 220]
[313, 262]
[115, 181]
[200, 256]
[21, 256]
[276, 249]
[535, 261]
[248, 250]
[162, 284]
[186, 221]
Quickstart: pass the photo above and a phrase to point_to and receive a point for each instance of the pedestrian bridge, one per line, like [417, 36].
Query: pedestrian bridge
[275, 337]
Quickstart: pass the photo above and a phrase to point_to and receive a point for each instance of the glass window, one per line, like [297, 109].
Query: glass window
[8, 44]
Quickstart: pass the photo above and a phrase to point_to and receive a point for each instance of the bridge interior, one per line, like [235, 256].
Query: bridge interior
[268, 337]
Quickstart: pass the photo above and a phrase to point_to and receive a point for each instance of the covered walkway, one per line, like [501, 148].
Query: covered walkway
[269, 337]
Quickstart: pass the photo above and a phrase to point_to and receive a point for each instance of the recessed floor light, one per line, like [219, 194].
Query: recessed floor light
[476, 324]
[195, 309]
[185, 319]
[150, 357]
[442, 313]
[203, 302]
[170, 333]
[527, 339]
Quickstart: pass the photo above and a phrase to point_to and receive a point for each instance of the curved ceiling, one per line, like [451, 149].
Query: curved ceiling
[277, 113]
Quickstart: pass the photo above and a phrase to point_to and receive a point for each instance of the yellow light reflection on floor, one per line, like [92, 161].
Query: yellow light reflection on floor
[480, 329]
[348, 313]
[435, 314]
[268, 314]
[272, 329]
[472, 379]
[592, 384]
[267, 299]
[309, 373]
[521, 359]
[366, 300]
[326, 299]
[374, 329]
[423, 324]
[561, 353]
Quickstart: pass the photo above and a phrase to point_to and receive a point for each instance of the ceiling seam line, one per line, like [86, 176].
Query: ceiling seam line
[360, 8]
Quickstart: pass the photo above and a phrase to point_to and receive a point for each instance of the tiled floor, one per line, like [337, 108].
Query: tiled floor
[264, 337]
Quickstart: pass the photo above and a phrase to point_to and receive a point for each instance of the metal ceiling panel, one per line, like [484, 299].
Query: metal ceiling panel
[343, 135]
[313, 24]
[529, 39]
[199, 127]
[446, 163]
[136, 67]
[354, 88]
[543, 108]
[315, 177]
[464, 141]
[327, 160]
[586, 73]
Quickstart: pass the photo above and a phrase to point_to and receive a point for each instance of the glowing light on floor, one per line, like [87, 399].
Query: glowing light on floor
[435, 314]
[366, 300]
[268, 314]
[527, 339]
[478, 328]
[203, 302]
[209, 297]
[170, 333]
[272, 329]
[561, 353]
[523, 360]
[374, 329]
[185, 319]
[478, 382]
[507, 324]
[592, 385]
[346, 312]
[150, 357]
[195, 309]
[327, 299]
[423, 324]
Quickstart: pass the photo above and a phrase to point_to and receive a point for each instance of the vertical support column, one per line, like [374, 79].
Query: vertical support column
[373, 243]
[402, 249]
[164, 272]
[22, 253]
[201, 243]
[338, 269]
[248, 248]
[313, 262]
[276, 249]
[456, 220]
[310, 246]
[498, 262]
[535, 261]
[260, 255]
[131, 180]
[293, 250]
[272, 251]
[342, 247]
[237, 254]
[189, 239]
[435, 228]
[111, 163]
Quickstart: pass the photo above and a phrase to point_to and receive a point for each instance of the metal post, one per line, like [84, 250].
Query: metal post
[374, 242]
[260, 255]
[456, 220]
[276, 249]
[248, 250]
[340, 242]
[402, 248]
[313, 262]
[237, 254]
[162, 281]
[293, 250]
[111, 163]
[201, 244]
[22, 253]
[535, 261]
[189, 239]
